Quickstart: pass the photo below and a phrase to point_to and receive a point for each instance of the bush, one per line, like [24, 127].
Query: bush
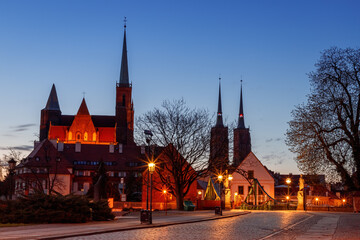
[101, 211]
[41, 208]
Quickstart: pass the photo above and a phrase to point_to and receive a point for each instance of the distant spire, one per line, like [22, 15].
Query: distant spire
[219, 119]
[52, 103]
[124, 73]
[241, 122]
[83, 110]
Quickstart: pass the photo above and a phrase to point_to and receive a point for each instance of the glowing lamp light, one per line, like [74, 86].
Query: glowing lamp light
[220, 177]
[164, 191]
[287, 197]
[344, 200]
[236, 193]
[288, 180]
[241, 115]
[151, 167]
[316, 199]
[199, 192]
[230, 177]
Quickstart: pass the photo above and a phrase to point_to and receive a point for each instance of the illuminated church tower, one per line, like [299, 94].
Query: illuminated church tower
[124, 111]
[93, 129]
[242, 140]
[219, 143]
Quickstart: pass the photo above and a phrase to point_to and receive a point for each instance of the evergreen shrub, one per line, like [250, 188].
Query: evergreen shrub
[42, 208]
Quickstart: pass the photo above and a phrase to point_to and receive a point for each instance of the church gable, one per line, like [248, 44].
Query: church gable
[252, 163]
[82, 128]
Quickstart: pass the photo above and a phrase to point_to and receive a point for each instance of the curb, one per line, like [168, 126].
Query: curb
[158, 225]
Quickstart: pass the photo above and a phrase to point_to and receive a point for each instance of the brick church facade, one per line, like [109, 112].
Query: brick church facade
[71, 146]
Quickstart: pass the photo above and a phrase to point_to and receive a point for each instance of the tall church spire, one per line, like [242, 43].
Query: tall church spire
[241, 121]
[124, 73]
[52, 103]
[219, 119]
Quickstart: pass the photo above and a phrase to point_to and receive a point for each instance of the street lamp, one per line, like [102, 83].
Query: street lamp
[12, 164]
[165, 199]
[344, 201]
[151, 167]
[220, 178]
[148, 136]
[288, 181]
[235, 199]
[228, 191]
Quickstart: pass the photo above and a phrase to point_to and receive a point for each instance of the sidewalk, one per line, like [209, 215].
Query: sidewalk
[132, 221]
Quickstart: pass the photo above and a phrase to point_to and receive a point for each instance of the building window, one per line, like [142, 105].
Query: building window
[85, 136]
[241, 190]
[78, 137]
[70, 135]
[94, 137]
[251, 174]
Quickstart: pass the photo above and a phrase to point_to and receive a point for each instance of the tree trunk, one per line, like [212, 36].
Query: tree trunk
[179, 202]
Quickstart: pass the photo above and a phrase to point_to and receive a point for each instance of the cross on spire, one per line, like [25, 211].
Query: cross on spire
[125, 22]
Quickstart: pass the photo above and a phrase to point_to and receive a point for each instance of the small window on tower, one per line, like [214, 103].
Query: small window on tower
[123, 102]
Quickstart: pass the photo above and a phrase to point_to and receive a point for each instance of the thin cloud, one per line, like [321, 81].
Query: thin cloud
[273, 140]
[23, 127]
[19, 148]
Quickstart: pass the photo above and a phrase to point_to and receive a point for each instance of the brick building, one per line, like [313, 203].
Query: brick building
[71, 146]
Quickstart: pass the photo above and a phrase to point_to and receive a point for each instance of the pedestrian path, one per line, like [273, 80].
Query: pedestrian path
[55, 231]
[323, 229]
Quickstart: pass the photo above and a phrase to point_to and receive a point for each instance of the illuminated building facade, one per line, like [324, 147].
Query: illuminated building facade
[72, 146]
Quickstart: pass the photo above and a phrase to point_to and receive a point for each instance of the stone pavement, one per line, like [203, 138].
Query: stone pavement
[56, 231]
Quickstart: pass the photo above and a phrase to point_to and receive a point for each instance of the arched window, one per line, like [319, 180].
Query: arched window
[70, 136]
[94, 136]
[78, 137]
[123, 100]
[85, 136]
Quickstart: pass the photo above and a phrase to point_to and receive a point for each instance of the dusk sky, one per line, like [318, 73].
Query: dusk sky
[176, 49]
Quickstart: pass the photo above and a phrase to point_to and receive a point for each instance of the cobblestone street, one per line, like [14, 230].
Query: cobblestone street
[252, 226]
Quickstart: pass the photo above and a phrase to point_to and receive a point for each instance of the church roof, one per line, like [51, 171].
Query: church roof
[124, 72]
[241, 121]
[52, 103]
[219, 119]
[83, 110]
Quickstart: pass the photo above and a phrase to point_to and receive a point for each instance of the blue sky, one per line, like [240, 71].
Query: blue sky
[175, 49]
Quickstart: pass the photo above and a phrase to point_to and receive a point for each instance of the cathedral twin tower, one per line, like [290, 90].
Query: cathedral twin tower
[219, 143]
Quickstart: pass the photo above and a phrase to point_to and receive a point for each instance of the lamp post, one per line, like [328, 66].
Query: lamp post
[148, 136]
[12, 164]
[235, 199]
[165, 199]
[220, 178]
[151, 166]
[228, 192]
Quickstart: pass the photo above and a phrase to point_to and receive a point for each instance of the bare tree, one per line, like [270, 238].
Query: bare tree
[324, 132]
[184, 135]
